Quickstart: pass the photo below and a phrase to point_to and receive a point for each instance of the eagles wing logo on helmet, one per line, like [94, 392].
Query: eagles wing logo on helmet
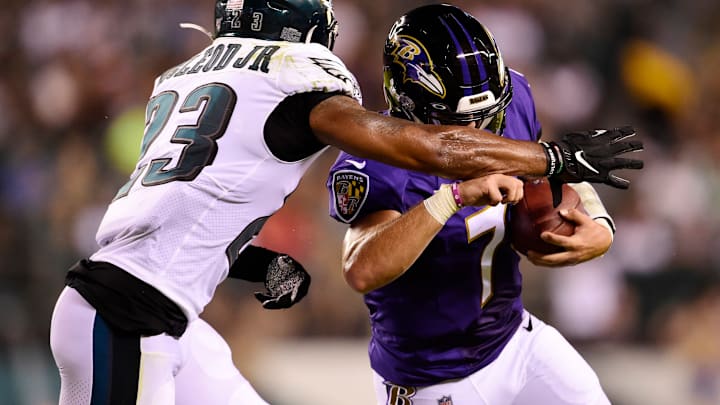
[277, 20]
[329, 10]
[416, 64]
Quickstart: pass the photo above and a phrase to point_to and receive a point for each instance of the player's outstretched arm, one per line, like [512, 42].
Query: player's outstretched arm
[462, 152]
[447, 151]
[286, 281]
[381, 246]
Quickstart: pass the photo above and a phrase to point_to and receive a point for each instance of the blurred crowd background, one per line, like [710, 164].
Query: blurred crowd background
[75, 76]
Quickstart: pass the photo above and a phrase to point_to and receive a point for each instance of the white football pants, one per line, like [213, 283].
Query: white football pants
[100, 367]
[537, 367]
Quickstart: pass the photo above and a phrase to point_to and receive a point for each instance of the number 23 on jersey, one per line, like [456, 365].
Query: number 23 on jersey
[215, 103]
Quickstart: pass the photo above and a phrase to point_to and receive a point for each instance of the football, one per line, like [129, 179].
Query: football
[539, 211]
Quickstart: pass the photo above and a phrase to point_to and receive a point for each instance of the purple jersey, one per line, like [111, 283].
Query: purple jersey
[458, 305]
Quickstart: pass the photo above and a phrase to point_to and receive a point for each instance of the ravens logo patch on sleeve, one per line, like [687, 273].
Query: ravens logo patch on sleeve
[350, 190]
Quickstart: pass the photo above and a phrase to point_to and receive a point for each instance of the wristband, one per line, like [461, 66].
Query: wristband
[441, 205]
[551, 159]
[554, 162]
[456, 194]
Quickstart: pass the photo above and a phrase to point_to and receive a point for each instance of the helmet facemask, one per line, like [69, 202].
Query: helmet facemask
[483, 109]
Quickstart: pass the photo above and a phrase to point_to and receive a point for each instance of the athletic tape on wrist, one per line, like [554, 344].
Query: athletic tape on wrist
[441, 205]
[594, 206]
[607, 223]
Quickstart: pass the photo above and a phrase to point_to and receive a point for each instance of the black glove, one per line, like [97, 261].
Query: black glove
[286, 282]
[592, 155]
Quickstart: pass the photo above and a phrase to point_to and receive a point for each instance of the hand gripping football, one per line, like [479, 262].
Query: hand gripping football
[539, 211]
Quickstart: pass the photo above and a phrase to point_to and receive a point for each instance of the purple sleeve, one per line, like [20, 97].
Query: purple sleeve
[357, 187]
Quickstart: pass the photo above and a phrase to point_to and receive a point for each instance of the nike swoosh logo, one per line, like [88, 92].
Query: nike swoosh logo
[580, 157]
[358, 165]
[529, 326]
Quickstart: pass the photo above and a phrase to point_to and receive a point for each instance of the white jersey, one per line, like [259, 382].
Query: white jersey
[206, 179]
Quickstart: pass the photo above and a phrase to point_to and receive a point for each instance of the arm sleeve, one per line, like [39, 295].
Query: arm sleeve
[287, 131]
[252, 264]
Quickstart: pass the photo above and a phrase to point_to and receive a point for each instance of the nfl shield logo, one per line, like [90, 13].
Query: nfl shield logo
[350, 189]
[446, 400]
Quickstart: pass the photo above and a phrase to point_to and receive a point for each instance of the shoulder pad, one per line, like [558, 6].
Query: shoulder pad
[312, 67]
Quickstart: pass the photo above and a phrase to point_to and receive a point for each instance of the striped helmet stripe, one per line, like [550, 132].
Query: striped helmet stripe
[463, 61]
[483, 74]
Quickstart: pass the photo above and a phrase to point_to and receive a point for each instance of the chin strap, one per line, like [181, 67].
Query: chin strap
[197, 27]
